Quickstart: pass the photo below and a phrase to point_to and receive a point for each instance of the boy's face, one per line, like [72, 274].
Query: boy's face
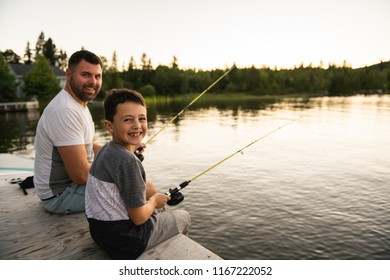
[130, 124]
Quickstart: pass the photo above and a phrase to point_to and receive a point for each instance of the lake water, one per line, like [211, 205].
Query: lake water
[317, 188]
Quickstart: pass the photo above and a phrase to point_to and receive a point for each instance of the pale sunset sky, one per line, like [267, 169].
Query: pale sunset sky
[206, 34]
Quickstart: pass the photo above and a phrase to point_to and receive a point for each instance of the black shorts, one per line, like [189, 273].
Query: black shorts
[121, 240]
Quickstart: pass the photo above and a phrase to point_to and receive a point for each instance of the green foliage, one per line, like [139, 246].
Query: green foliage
[41, 81]
[167, 81]
[147, 91]
[50, 51]
[173, 81]
[39, 45]
[111, 80]
[62, 60]
[27, 54]
[263, 82]
[7, 82]
[10, 56]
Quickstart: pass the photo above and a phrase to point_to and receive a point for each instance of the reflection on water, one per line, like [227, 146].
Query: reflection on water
[315, 189]
[17, 132]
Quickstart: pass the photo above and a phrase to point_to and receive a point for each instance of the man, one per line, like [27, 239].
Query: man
[64, 148]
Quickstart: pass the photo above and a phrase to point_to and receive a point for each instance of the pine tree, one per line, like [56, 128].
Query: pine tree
[50, 51]
[114, 63]
[28, 54]
[7, 82]
[11, 57]
[39, 45]
[174, 63]
[62, 60]
[41, 82]
[132, 64]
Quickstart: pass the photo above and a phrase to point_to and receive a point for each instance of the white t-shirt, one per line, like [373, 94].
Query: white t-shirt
[64, 122]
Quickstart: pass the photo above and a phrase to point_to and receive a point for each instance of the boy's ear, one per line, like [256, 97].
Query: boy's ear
[109, 126]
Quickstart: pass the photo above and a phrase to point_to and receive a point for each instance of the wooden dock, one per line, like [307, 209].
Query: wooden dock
[19, 106]
[28, 232]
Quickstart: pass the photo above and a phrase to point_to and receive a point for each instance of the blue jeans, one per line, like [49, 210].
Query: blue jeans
[71, 200]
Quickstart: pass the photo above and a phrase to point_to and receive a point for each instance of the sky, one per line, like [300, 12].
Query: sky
[206, 34]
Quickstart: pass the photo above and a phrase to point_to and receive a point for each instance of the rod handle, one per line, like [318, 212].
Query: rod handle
[138, 154]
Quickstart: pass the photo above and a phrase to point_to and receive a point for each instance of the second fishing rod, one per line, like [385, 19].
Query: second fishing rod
[138, 151]
[177, 196]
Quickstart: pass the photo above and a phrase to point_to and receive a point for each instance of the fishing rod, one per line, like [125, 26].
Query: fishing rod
[138, 151]
[177, 196]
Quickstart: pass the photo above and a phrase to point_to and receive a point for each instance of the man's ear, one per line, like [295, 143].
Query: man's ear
[109, 126]
[68, 73]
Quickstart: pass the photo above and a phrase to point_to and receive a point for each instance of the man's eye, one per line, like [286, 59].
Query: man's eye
[142, 119]
[129, 120]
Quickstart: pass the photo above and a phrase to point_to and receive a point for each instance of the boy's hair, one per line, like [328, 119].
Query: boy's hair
[88, 56]
[119, 96]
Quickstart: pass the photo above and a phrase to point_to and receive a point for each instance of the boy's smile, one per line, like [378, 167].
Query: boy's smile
[135, 134]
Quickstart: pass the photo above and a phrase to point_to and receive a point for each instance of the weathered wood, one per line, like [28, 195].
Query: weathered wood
[28, 232]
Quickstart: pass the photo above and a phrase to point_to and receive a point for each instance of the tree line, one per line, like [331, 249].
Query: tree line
[170, 80]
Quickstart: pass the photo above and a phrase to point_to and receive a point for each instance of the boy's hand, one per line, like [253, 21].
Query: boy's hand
[160, 199]
[138, 150]
[140, 147]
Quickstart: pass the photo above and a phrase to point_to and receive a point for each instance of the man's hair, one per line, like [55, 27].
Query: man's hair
[119, 96]
[88, 56]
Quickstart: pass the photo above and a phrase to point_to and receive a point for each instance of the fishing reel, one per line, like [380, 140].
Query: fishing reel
[138, 154]
[176, 198]
[176, 195]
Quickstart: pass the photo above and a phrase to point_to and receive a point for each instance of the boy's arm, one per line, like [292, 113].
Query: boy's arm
[150, 189]
[141, 214]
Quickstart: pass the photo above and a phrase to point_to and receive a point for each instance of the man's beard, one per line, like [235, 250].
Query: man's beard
[79, 92]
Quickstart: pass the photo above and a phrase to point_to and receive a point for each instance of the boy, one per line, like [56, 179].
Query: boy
[121, 205]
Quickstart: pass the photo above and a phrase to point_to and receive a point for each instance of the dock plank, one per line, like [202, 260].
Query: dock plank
[28, 232]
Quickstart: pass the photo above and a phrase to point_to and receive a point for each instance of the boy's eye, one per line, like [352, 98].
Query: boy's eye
[131, 120]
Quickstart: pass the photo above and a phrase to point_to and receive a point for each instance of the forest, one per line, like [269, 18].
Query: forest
[171, 80]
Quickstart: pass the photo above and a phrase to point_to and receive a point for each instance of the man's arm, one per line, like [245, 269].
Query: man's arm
[76, 163]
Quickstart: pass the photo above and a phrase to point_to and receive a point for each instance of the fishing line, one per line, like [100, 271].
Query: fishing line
[177, 197]
[192, 102]
[137, 152]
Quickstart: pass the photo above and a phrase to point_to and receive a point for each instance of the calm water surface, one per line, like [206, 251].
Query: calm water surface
[317, 188]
